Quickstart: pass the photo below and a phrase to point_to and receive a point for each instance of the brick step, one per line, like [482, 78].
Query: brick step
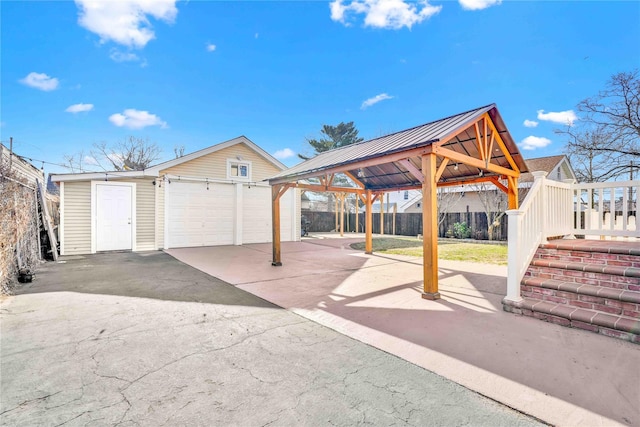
[614, 270]
[587, 257]
[597, 246]
[608, 300]
[592, 320]
[617, 277]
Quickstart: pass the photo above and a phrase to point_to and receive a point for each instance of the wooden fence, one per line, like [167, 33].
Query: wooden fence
[406, 224]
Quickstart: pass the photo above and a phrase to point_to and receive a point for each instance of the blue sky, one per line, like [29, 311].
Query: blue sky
[198, 73]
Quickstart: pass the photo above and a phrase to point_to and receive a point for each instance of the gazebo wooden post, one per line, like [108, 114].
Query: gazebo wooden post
[430, 227]
[395, 211]
[335, 196]
[342, 195]
[357, 215]
[368, 245]
[381, 198]
[512, 192]
[275, 229]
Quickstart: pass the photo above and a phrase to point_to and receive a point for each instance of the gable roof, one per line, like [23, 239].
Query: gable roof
[545, 164]
[154, 171]
[391, 174]
[221, 146]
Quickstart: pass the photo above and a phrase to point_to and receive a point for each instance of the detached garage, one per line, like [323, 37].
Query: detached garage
[214, 196]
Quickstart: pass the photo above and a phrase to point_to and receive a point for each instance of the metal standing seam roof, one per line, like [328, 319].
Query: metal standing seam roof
[415, 137]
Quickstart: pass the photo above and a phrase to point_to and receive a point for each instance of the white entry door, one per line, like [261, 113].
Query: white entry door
[114, 217]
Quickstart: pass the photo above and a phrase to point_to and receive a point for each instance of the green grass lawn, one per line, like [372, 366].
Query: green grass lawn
[453, 251]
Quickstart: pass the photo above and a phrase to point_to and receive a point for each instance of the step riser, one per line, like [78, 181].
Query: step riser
[571, 299]
[585, 277]
[583, 285]
[635, 338]
[588, 257]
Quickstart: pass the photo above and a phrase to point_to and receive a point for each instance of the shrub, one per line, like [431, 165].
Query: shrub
[461, 230]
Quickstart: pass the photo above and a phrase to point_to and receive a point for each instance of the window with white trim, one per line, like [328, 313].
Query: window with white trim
[238, 170]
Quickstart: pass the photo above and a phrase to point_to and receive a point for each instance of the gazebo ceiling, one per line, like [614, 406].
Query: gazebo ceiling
[474, 146]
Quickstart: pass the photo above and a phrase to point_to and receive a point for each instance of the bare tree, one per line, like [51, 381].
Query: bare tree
[131, 154]
[495, 204]
[178, 150]
[447, 197]
[605, 144]
[76, 162]
[591, 163]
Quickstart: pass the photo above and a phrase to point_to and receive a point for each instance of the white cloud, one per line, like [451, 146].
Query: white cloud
[40, 81]
[478, 4]
[118, 56]
[136, 119]
[562, 117]
[533, 142]
[369, 102]
[79, 108]
[530, 123]
[387, 14]
[125, 21]
[211, 47]
[285, 153]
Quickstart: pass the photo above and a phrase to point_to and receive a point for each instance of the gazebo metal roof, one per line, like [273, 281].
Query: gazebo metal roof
[388, 162]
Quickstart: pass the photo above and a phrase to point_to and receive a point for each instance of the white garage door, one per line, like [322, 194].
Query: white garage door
[200, 217]
[256, 215]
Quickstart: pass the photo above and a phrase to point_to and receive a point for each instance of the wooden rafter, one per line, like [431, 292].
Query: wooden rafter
[441, 169]
[470, 181]
[320, 188]
[472, 161]
[495, 181]
[479, 141]
[354, 179]
[413, 170]
[501, 144]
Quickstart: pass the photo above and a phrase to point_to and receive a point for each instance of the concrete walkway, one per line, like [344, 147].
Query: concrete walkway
[143, 339]
[563, 376]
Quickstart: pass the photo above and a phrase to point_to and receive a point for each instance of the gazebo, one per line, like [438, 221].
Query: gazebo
[466, 148]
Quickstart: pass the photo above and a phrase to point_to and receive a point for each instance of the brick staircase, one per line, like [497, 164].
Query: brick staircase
[586, 284]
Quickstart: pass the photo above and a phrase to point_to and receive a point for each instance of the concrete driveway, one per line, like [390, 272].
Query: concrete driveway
[561, 375]
[143, 339]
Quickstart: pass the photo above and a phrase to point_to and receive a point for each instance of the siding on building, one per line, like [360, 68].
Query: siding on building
[160, 215]
[145, 208]
[77, 218]
[214, 165]
[22, 169]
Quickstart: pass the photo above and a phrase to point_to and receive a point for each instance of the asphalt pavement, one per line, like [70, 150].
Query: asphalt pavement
[143, 339]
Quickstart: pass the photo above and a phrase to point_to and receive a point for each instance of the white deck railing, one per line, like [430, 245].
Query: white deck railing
[557, 209]
[606, 210]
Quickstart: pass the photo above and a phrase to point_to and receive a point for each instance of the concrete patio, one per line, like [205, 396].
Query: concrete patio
[560, 375]
[143, 339]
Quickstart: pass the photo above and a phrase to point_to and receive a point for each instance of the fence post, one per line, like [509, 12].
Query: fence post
[514, 255]
[540, 175]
